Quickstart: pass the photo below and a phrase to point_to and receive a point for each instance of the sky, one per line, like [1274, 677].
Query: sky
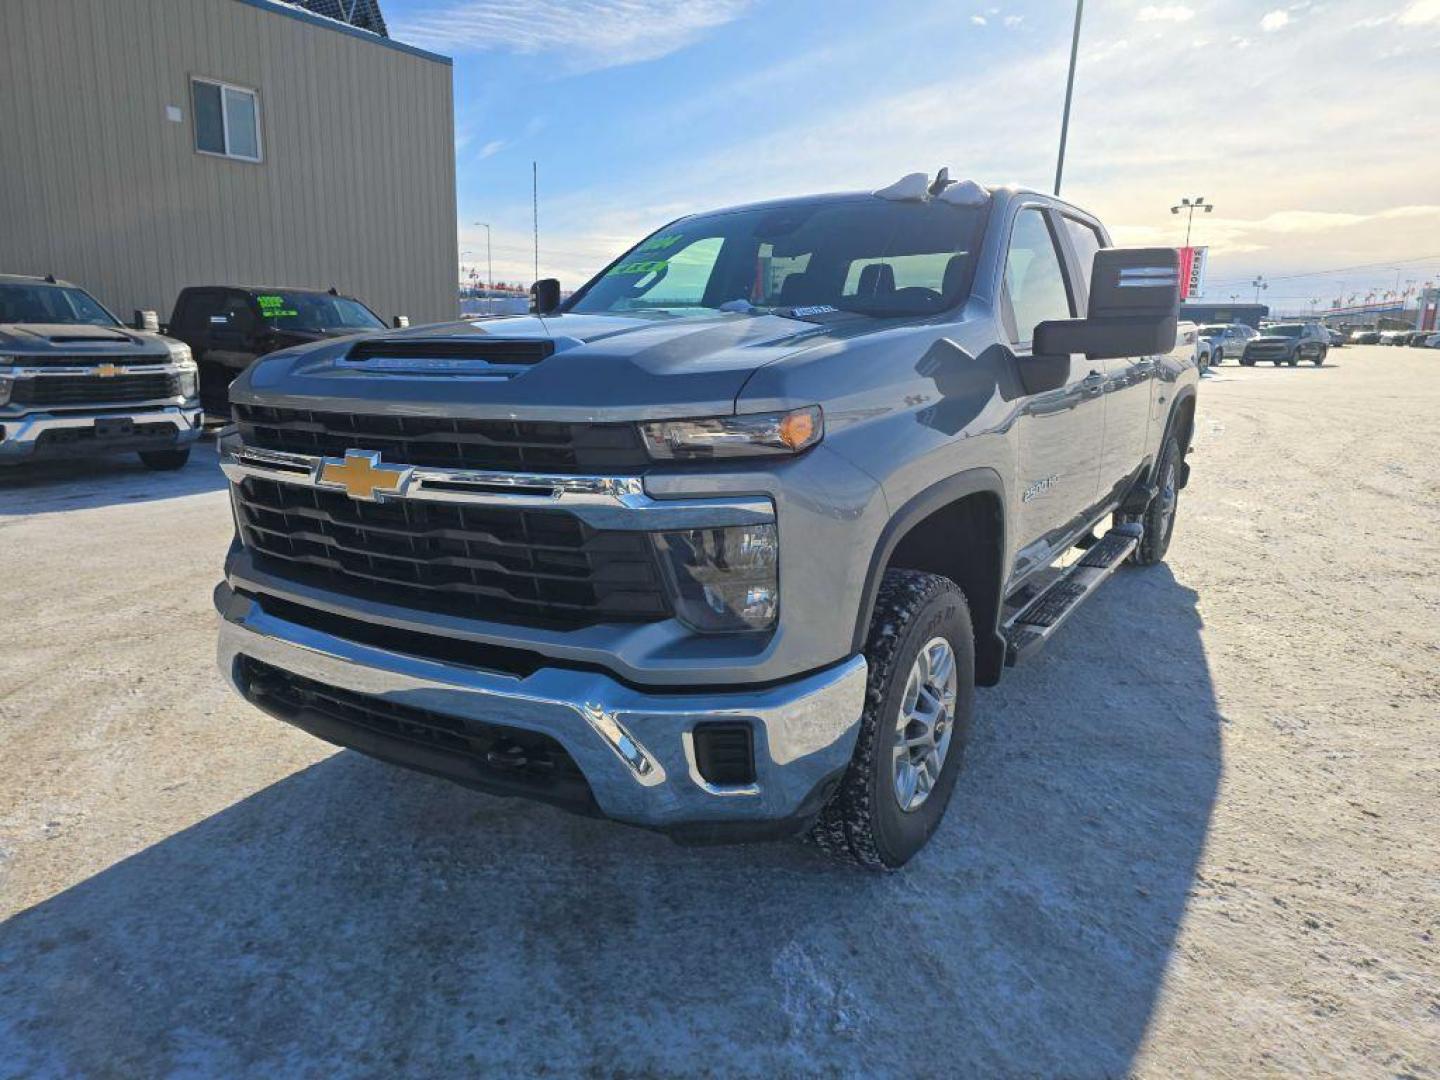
[1312, 127]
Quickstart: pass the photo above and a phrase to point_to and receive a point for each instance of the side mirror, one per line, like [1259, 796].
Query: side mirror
[1134, 308]
[400, 322]
[146, 320]
[545, 296]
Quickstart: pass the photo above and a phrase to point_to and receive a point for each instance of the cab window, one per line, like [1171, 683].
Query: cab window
[1035, 286]
[1086, 242]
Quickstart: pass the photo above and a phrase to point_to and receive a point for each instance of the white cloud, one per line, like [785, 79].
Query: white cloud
[1421, 12]
[1275, 20]
[1013, 21]
[585, 34]
[978, 20]
[491, 148]
[1165, 13]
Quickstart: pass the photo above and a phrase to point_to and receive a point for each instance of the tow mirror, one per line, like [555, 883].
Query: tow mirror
[400, 322]
[1134, 308]
[545, 296]
[146, 320]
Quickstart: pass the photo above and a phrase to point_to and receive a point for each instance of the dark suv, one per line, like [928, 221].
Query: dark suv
[1288, 343]
[227, 328]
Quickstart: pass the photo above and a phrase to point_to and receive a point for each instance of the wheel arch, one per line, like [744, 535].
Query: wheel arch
[955, 528]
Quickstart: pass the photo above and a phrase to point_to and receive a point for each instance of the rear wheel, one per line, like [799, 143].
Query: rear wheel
[1218, 358]
[921, 656]
[165, 460]
[1294, 361]
[1320, 356]
[1159, 517]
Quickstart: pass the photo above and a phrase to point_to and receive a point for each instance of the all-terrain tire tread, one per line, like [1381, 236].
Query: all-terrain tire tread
[845, 828]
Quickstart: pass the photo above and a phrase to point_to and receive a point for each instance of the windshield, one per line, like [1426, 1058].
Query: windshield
[865, 255]
[51, 304]
[315, 311]
[1285, 330]
[1211, 331]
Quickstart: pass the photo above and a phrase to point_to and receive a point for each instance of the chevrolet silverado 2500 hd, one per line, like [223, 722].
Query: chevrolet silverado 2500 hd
[74, 382]
[722, 544]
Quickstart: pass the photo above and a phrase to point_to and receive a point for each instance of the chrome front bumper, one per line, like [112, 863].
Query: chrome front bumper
[20, 435]
[635, 748]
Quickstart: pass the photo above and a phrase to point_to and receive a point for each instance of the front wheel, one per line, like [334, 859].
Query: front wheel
[1218, 358]
[1294, 361]
[918, 700]
[165, 460]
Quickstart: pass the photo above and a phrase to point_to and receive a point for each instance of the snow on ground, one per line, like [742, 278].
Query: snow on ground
[1195, 837]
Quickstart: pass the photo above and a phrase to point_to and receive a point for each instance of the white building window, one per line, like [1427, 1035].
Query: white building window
[227, 119]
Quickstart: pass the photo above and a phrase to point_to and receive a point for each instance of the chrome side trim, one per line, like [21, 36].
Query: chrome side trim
[607, 502]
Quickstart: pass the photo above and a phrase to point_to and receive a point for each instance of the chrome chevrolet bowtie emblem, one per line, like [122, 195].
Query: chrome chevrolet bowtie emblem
[363, 477]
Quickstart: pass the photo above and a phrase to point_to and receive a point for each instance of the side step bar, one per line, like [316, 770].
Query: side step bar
[1028, 630]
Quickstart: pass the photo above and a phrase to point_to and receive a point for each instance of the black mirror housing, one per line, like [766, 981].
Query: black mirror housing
[545, 296]
[1134, 308]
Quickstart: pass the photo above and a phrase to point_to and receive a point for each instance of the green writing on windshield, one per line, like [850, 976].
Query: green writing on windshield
[659, 243]
[273, 307]
[642, 267]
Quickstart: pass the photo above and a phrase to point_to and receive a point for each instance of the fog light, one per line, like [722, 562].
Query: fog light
[723, 580]
[7, 383]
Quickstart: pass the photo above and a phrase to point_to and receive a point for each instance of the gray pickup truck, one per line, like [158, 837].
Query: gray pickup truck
[74, 382]
[722, 544]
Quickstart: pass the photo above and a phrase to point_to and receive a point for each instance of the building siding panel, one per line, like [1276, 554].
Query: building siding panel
[356, 189]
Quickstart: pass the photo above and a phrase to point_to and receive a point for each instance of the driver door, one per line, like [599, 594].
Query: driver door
[1060, 432]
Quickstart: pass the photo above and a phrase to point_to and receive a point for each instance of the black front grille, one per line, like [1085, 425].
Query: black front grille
[492, 756]
[480, 349]
[88, 389]
[506, 445]
[509, 564]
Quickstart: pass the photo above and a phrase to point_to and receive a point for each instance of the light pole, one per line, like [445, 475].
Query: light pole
[489, 268]
[462, 265]
[1069, 93]
[1190, 206]
[1259, 283]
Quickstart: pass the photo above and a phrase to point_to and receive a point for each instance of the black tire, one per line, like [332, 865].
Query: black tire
[1159, 516]
[165, 460]
[1246, 362]
[1320, 356]
[1294, 361]
[863, 823]
[1218, 358]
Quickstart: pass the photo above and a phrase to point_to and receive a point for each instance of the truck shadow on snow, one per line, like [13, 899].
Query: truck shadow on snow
[53, 486]
[354, 918]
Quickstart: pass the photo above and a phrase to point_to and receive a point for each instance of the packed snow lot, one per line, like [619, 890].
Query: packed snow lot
[1196, 836]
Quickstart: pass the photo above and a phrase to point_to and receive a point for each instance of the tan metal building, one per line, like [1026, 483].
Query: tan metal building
[146, 145]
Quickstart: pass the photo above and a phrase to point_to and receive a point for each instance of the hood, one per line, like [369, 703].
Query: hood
[43, 340]
[1274, 339]
[603, 367]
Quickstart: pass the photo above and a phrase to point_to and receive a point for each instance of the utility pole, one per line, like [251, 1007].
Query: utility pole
[1190, 206]
[1069, 93]
[489, 269]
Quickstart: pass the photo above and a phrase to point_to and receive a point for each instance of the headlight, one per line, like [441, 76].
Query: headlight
[735, 436]
[7, 380]
[189, 377]
[723, 580]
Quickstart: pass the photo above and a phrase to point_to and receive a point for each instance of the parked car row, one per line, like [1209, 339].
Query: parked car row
[75, 381]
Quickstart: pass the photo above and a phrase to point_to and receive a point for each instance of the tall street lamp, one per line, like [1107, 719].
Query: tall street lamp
[489, 269]
[1069, 93]
[1259, 283]
[1189, 206]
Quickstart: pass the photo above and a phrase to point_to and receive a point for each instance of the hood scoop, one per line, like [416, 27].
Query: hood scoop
[487, 358]
[82, 339]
